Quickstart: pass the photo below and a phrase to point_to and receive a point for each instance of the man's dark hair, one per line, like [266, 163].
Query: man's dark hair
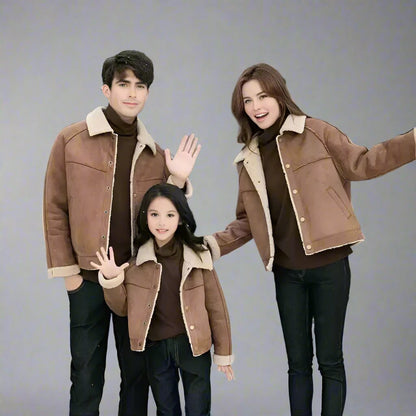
[138, 62]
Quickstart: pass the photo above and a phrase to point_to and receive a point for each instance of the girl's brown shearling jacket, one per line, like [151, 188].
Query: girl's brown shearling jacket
[318, 162]
[134, 294]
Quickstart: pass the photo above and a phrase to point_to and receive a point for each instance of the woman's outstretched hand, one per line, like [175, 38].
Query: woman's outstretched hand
[107, 266]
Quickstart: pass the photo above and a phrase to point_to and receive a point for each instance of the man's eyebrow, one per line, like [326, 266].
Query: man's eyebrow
[126, 81]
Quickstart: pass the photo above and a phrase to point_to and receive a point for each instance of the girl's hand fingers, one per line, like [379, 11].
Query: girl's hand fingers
[104, 253]
[100, 259]
[111, 254]
[123, 266]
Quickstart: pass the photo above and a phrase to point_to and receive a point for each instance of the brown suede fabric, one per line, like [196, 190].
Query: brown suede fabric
[319, 162]
[203, 306]
[78, 191]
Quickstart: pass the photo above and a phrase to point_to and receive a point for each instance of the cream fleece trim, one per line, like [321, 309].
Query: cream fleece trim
[251, 159]
[223, 359]
[189, 190]
[292, 123]
[200, 260]
[64, 271]
[250, 156]
[98, 124]
[110, 283]
[213, 246]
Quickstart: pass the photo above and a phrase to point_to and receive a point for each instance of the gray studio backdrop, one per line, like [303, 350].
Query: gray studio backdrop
[349, 62]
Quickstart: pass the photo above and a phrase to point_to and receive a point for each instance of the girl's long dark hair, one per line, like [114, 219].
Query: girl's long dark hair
[187, 225]
[274, 85]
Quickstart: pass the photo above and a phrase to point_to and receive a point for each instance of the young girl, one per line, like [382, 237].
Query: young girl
[174, 302]
[294, 199]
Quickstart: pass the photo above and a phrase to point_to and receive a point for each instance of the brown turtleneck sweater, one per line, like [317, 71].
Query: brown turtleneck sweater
[120, 228]
[120, 221]
[167, 319]
[287, 241]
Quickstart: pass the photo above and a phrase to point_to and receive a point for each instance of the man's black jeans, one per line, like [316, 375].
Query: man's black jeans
[89, 327]
[318, 295]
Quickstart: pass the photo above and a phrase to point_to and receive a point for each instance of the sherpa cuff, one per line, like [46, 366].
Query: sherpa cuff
[110, 283]
[223, 359]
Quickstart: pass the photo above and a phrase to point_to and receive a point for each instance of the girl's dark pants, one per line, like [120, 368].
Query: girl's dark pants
[318, 295]
[166, 359]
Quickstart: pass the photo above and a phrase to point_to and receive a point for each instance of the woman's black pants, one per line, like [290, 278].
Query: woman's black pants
[318, 296]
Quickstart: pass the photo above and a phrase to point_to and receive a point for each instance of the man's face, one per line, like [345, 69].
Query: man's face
[127, 95]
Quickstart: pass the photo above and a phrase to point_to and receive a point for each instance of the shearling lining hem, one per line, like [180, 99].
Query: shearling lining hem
[213, 246]
[110, 283]
[223, 359]
[64, 271]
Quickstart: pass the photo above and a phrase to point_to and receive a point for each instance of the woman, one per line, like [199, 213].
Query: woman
[294, 200]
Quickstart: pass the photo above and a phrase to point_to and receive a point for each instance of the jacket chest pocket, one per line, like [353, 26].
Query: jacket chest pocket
[194, 280]
[144, 278]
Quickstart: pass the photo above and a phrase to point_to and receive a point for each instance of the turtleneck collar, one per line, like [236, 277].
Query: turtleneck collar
[270, 133]
[118, 125]
[169, 249]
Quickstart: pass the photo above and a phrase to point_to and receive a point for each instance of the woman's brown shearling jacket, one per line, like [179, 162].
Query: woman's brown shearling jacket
[319, 162]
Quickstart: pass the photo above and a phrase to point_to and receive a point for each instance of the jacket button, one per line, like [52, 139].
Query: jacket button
[186, 308]
[108, 188]
[103, 237]
[308, 247]
[287, 165]
[191, 327]
[302, 219]
[295, 191]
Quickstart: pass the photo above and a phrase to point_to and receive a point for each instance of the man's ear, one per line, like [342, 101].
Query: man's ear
[106, 90]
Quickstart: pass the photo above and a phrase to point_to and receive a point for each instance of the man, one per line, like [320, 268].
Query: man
[97, 174]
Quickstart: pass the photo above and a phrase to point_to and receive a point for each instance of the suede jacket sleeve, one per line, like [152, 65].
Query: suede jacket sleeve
[59, 252]
[355, 162]
[115, 293]
[219, 319]
[236, 233]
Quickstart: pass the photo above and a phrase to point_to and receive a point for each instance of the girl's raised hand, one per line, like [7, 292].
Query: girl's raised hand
[227, 370]
[107, 265]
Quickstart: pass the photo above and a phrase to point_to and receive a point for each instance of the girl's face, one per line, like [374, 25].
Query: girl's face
[162, 220]
[262, 109]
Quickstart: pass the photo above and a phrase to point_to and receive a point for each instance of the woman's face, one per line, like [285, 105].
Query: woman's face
[262, 109]
[162, 220]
